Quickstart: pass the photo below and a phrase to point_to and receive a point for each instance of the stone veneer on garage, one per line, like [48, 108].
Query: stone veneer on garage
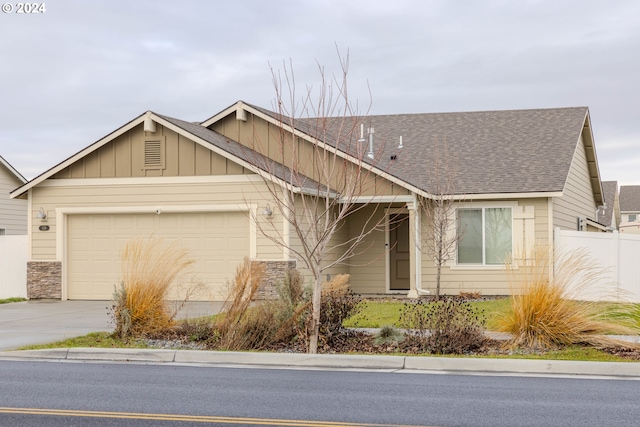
[44, 280]
[274, 272]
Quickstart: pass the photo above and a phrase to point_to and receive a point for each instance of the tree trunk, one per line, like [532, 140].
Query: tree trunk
[315, 316]
[438, 269]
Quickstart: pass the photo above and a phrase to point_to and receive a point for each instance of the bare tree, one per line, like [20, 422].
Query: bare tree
[323, 177]
[441, 240]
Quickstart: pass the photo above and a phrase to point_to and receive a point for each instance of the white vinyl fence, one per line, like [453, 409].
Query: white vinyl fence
[616, 252]
[13, 266]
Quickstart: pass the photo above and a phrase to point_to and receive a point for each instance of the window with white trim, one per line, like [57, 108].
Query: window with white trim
[2, 232]
[632, 217]
[486, 235]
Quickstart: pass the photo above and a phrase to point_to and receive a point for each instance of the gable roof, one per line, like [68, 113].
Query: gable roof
[524, 152]
[12, 170]
[629, 198]
[216, 142]
[497, 154]
[609, 189]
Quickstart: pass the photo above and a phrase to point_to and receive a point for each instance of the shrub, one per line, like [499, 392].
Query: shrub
[388, 335]
[446, 326]
[547, 314]
[338, 303]
[149, 267]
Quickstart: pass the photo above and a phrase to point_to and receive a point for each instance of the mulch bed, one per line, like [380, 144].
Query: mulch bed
[350, 341]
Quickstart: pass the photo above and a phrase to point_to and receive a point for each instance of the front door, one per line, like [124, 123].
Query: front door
[399, 252]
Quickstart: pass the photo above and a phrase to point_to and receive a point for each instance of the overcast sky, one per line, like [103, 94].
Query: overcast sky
[80, 70]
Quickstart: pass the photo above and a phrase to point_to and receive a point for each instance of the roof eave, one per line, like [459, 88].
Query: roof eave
[13, 170]
[80, 154]
[592, 160]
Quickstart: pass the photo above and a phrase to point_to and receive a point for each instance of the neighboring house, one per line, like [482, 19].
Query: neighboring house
[630, 209]
[529, 171]
[609, 213]
[13, 212]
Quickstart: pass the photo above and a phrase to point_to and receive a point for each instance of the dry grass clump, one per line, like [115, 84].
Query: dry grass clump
[337, 304]
[547, 314]
[240, 328]
[149, 267]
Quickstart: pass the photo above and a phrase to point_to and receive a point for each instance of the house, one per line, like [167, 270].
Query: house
[609, 214]
[13, 212]
[520, 174]
[630, 209]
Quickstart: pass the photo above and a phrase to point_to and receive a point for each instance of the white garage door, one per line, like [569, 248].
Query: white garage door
[217, 241]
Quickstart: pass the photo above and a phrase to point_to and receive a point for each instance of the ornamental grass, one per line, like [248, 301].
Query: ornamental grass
[547, 313]
[149, 268]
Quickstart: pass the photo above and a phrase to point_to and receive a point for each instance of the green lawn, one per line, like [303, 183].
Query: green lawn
[375, 314]
[8, 300]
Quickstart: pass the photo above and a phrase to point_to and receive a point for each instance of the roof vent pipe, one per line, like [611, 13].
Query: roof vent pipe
[400, 146]
[370, 153]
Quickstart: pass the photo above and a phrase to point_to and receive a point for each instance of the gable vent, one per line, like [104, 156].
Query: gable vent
[154, 154]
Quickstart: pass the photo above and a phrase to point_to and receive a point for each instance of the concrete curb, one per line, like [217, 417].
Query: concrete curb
[337, 361]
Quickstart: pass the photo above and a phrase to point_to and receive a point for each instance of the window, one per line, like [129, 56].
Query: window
[486, 235]
[2, 231]
[633, 217]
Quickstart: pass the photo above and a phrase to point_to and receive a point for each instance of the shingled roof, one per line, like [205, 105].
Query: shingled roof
[609, 188]
[250, 156]
[629, 198]
[492, 152]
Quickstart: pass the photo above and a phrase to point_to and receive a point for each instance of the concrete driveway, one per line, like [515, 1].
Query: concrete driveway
[46, 321]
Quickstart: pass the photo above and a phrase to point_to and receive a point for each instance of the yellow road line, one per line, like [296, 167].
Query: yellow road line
[185, 418]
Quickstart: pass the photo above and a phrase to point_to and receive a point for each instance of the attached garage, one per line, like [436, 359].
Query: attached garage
[217, 241]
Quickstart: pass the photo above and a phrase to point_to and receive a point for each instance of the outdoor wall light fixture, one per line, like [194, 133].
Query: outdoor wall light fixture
[267, 211]
[41, 215]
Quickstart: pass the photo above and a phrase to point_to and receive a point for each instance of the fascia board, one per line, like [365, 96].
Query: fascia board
[224, 113]
[79, 155]
[320, 143]
[264, 174]
[13, 170]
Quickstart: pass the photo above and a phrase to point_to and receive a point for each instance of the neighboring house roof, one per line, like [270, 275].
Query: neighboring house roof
[13, 171]
[494, 152]
[629, 198]
[609, 189]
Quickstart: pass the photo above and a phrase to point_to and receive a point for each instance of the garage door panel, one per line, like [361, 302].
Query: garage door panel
[93, 261]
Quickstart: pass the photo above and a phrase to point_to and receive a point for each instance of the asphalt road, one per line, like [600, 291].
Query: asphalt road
[158, 395]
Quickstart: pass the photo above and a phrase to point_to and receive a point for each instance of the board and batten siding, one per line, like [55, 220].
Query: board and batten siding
[124, 158]
[340, 236]
[78, 194]
[13, 212]
[489, 280]
[265, 138]
[368, 269]
[577, 198]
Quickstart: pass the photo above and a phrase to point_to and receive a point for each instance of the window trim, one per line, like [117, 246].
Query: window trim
[487, 205]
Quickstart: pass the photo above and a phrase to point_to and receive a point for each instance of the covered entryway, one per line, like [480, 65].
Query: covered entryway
[217, 241]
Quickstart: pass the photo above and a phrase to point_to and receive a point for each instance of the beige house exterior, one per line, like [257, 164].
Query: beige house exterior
[629, 209]
[13, 212]
[203, 186]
